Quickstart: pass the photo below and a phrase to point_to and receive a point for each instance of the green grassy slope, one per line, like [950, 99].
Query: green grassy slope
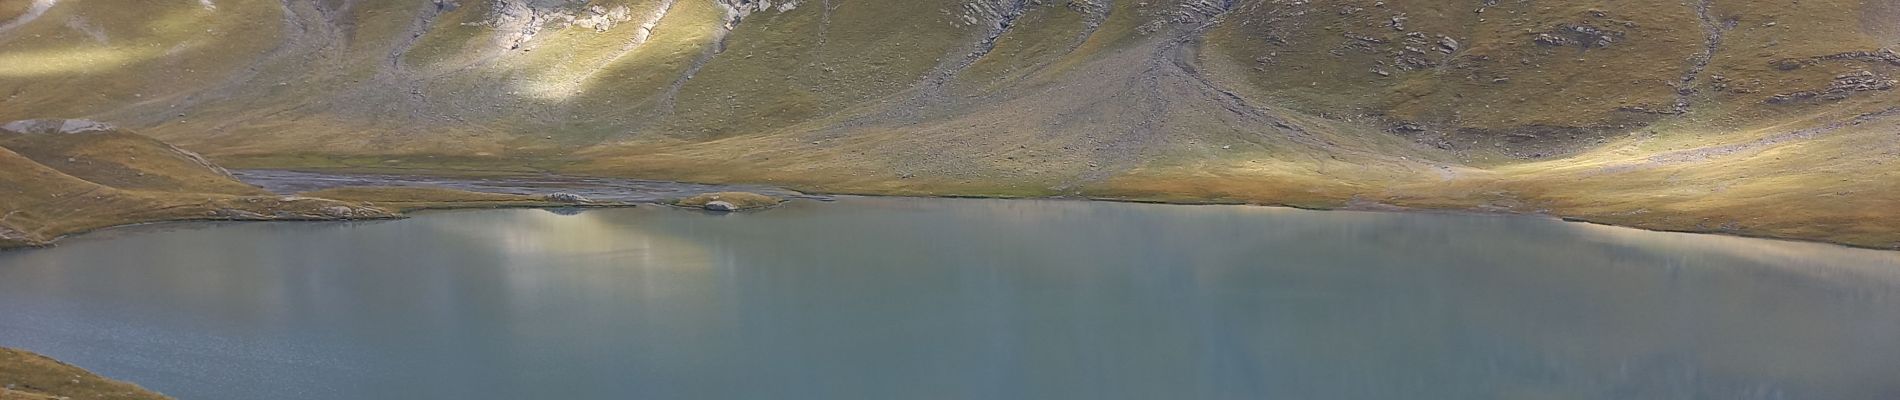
[1673, 115]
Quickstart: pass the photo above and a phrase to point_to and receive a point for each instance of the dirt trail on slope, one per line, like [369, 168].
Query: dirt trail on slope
[1711, 153]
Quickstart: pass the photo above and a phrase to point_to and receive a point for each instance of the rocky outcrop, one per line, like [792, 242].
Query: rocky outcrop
[1886, 56]
[340, 212]
[1844, 85]
[294, 208]
[10, 238]
[721, 206]
[1582, 36]
[737, 10]
[566, 198]
[55, 126]
[518, 21]
[1198, 11]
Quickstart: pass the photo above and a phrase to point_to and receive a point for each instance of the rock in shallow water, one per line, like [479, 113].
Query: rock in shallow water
[566, 198]
[729, 201]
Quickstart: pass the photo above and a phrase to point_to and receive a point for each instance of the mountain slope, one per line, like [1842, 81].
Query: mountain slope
[1708, 115]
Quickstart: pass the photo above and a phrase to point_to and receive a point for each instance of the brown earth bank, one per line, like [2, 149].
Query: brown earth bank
[28, 376]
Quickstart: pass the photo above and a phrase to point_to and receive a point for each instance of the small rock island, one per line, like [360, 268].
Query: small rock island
[729, 201]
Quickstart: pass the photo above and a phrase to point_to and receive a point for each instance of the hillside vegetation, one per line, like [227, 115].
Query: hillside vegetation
[1752, 117]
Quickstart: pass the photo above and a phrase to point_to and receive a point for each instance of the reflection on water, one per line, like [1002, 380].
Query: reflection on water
[920, 298]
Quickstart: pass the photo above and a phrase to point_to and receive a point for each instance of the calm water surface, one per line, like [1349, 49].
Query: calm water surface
[959, 299]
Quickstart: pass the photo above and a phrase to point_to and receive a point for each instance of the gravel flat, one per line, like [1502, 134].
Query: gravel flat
[604, 189]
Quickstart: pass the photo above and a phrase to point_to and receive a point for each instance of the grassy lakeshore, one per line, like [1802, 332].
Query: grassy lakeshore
[1862, 223]
[56, 182]
[363, 202]
[28, 376]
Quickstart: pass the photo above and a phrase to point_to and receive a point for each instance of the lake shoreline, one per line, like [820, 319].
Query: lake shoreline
[397, 214]
[407, 212]
[28, 375]
[1384, 208]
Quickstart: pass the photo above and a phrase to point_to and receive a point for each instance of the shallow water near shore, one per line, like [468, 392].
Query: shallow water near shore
[958, 298]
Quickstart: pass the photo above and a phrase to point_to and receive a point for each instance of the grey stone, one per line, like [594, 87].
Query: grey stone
[720, 206]
[55, 126]
[338, 212]
[230, 213]
[564, 197]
